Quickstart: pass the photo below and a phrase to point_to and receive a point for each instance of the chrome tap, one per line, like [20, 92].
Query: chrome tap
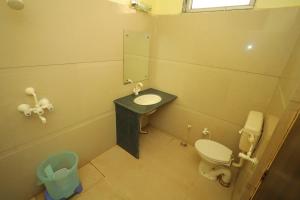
[137, 88]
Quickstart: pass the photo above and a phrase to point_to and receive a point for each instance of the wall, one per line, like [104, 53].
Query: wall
[276, 3]
[284, 106]
[202, 58]
[70, 52]
[171, 7]
[166, 7]
[287, 90]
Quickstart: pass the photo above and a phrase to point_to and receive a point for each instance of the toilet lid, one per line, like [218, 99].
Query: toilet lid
[213, 150]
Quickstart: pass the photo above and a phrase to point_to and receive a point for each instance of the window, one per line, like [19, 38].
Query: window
[202, 5]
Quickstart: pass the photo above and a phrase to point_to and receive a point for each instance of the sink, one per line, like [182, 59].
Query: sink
[147, 99]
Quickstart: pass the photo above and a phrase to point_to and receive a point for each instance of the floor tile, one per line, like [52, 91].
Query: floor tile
[207, 189]
[115, 161]
[89, 176]
[180, 163]
[165, 171]
[148, 184]
[102, 190]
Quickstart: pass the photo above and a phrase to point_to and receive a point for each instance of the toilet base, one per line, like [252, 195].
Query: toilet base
[205, 170]
[214, 172]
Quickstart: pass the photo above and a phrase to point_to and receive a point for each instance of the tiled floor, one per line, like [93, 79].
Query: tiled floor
[165, 171]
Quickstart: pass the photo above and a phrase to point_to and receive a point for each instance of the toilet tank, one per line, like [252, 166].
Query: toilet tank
[254, 126]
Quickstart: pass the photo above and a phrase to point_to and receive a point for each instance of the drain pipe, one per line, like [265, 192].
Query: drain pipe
[223, 174]
[244, 157]
[225, 178]
[239, 164]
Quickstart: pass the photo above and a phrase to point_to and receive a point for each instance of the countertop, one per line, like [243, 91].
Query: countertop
[128, 103]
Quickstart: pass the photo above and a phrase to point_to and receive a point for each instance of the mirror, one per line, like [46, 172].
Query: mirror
[136, 56]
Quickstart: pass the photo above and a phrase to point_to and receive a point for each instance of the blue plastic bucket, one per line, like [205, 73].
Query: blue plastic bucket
[59, 174]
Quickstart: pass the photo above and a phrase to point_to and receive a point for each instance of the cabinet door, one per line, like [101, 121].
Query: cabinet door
[127, 124]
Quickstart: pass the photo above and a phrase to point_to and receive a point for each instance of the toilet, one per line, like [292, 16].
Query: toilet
[216, 158]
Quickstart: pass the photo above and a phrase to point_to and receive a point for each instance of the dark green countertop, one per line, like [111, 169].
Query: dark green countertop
[128, 103]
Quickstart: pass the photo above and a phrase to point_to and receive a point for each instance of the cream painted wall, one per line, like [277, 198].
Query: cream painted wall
[166, 7]
[290, 79]
[288, 88]
[70, 52]
[202, 58]
[284, 105]
[276, 3]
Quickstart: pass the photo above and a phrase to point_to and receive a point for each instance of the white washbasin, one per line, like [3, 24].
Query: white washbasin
[147, 99]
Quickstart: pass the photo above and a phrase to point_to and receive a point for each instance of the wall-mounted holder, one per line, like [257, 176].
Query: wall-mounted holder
[15, 4]
[140, 6]
[39, 107]
[128, 81]
[247, 156]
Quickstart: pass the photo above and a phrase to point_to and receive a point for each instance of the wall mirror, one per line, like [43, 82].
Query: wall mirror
[136, 56]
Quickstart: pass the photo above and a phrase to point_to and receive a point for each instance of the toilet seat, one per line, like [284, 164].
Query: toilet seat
[213, 151]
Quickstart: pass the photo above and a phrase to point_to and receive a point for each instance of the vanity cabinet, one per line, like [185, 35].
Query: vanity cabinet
[128, 115]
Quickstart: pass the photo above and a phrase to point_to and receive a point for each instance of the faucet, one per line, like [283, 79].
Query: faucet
[137, 88]
[39, 107]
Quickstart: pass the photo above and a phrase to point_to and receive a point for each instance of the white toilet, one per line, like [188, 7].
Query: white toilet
[217, 158]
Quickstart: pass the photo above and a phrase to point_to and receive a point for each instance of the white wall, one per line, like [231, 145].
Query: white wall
[202, 58]
[284, 105]
[70, 51]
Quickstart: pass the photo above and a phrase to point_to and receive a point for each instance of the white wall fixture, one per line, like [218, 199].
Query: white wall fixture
[38, 108]
[140, 6]
[184, 141]
[15, 4]
[128, 81]
[137, 88]
[205, 131]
